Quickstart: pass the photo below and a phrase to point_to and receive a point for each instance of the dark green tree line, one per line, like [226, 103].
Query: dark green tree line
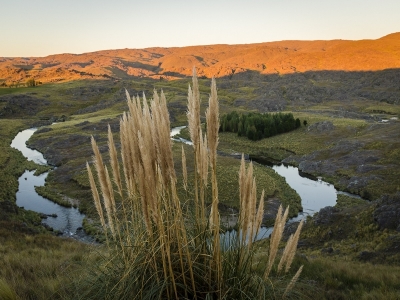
[256, 126]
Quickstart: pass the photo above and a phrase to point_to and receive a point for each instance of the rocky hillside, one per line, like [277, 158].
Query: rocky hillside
[213, 60]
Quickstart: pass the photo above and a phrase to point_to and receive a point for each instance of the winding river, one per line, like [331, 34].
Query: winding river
[315, 194]
[66, 220]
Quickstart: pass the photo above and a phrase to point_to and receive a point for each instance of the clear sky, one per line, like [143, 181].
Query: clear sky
[44, 27]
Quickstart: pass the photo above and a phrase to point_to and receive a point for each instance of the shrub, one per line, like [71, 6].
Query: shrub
[162, 247]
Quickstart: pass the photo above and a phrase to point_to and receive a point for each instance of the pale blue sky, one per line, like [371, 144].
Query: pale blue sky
[44, 27]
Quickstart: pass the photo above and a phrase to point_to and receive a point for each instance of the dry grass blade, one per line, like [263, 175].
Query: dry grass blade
[292, 282]
[184, 170]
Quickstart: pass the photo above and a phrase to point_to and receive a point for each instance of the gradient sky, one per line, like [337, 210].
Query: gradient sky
[44, 27]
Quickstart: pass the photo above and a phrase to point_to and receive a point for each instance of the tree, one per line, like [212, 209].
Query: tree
[305, 122]
[298, 124]
[31, 82]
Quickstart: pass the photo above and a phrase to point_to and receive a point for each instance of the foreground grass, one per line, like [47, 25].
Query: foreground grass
[44, 267]
[341, 279]
[333, 277]
[38, 266]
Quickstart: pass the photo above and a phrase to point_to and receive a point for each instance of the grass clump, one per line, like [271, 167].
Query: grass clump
[160, 246]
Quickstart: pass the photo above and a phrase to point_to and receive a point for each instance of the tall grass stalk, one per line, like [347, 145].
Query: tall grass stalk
[155, 249]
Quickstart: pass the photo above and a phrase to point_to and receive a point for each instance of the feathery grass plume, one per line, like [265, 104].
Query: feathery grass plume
[194, 126]
[290, 249]
[292, 282]
[145, 189]
[203, 175]
[260, 214]
[250, 218]
[285, 254]
[160, 118]
[184, 170]
[276, 237]
[128, 155]
[157, 251]
[242, 192]
[293, 247]
[114, 161]
[203, 153]
[111, 192]
[108, 203]
[212, 117]
[245, 187]
[102, 174]
[96, 197]
[252, 210]
[193, 113]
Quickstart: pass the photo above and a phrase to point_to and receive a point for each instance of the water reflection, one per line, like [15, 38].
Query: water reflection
[19, 143]
[68, 220]
[314, 194]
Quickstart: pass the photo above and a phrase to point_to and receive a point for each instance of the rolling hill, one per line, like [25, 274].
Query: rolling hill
[282, 57]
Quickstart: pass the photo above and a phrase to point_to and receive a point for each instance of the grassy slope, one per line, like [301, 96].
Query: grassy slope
[38, 266]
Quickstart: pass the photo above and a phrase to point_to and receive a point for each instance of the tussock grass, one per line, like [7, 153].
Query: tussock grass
[161, 246]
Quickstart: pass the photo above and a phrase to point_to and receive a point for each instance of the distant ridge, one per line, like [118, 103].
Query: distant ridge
[281, 57]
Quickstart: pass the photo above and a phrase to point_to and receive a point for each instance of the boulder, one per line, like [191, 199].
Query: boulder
[326, 215]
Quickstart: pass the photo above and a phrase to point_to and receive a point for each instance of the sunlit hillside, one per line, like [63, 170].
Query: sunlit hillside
[281, 57]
